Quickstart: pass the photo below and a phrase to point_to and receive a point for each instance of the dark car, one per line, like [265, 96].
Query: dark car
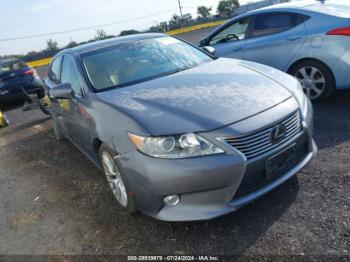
[16, 76]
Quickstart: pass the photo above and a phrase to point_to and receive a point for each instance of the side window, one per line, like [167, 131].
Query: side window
[70, 75]
[235, 32]
[272, 23]
[54, 73]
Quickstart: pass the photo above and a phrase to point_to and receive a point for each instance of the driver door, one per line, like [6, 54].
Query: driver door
[78, 122]
[229, 42]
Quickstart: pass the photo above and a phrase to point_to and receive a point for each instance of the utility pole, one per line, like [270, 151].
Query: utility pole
[180, 7]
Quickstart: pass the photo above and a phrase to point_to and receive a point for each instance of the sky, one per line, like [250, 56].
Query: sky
[29, 17]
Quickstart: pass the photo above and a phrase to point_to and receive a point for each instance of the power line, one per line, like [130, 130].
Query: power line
[84, 28]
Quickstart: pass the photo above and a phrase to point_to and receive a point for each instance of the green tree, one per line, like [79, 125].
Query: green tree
[72, 44]
[100, 35]
[129, 32]
[51, 45]
[226, 7]
[204, 11]
[175, 20]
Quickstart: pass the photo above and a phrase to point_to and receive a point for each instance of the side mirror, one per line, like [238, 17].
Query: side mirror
[209, 49]
[63, 91]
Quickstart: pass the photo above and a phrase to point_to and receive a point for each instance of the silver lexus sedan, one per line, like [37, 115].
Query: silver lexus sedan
[178, 134]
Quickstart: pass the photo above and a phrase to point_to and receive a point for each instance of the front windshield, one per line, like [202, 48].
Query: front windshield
[139, 61]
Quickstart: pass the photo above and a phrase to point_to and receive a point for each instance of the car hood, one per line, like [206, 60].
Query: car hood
[203, 98]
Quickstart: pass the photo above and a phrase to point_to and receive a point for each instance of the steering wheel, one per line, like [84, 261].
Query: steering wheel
[230, 36]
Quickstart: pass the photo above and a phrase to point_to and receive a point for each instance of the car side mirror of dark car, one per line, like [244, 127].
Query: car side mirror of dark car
[63, 91]
[209, 49]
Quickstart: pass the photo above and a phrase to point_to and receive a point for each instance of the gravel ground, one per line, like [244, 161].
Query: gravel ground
[54, 201]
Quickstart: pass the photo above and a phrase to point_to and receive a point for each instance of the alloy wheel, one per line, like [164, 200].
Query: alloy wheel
[114, 178]
[312, 80]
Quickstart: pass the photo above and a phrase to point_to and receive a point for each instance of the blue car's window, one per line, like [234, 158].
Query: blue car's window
[272, 23]
[138, 61]
[235, 32]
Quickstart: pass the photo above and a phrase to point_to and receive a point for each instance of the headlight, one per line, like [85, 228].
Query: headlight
[182, 146]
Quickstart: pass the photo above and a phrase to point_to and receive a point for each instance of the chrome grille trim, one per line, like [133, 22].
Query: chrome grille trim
[258, 143]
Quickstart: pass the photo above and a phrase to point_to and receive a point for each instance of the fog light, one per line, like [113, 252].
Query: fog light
[172, 200]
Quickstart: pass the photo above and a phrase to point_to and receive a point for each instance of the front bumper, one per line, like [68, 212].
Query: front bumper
[341, 71]
[207, 185]
[191, 208]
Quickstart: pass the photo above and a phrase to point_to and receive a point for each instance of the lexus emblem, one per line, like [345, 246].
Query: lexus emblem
[278, 132]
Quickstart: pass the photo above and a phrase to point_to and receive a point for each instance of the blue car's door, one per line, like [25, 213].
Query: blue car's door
[229, 41]
[275, 38]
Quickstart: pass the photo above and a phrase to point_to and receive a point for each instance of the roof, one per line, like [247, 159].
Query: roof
[109, 42]
[7, 60]
[292, 5]
[332, 7]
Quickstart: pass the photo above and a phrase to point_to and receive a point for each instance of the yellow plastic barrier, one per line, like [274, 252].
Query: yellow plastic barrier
[195, 27]
[46, 61]
[40, 62]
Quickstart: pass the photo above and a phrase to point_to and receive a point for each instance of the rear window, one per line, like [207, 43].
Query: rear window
[13, 65]
[272, 23]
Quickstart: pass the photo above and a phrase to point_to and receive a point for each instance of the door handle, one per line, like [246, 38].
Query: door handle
[237, 49]
[293, 39]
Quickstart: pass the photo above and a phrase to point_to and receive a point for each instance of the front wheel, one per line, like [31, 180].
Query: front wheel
[316, 79]
[44, 105]
[4, 121]
[116, 180]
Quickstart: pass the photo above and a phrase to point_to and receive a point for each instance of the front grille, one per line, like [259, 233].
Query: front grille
[251, 183]
[254, 181]
[258, 143]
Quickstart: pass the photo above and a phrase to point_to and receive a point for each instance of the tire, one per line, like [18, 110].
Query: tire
[58, 132]
[43, 106]
[316, 78]
[116, 182]
[5, 121]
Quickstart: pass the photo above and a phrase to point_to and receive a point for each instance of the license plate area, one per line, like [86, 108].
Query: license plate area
[281, 163]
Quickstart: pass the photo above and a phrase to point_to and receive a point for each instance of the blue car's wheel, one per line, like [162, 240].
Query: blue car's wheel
[316, 78]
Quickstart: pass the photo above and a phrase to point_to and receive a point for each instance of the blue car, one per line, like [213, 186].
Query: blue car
[309, 40]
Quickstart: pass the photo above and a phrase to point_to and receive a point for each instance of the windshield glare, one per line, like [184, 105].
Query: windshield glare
[138, 61]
